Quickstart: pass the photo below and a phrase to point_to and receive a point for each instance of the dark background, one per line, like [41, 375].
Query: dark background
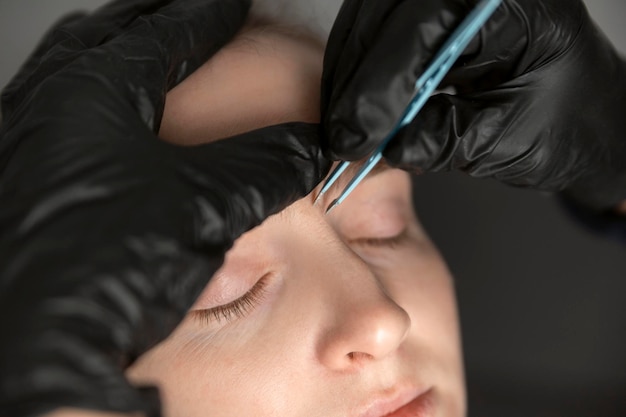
[541, 298]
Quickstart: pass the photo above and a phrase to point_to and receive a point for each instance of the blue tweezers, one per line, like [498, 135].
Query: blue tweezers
[424, 87]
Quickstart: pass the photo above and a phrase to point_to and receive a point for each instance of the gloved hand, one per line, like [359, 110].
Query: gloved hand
[541, 95]
[108, 233]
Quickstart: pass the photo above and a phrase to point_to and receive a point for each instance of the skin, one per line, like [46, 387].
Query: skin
[344, 316]
[253, 82]
[340, 320]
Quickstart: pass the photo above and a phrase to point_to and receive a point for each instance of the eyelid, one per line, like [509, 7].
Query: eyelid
[391, 241]
[375, 219]
[235, 309]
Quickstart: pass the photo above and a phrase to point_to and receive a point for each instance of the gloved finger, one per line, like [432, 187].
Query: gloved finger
[465, 133]
[46, 42]
[131, 73]
[515, 41]
[191, 31]
[109, 20]
[495, 56]
[261, 173]
[23, 81]
[369, 97]
[135, 291]
[353, 31]
[66, 38]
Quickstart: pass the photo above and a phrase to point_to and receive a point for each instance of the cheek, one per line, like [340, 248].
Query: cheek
[246, 369]
[422, 284]
[255, 378]
[434, 298]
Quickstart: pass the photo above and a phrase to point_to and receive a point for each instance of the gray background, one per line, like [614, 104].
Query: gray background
[541, 298]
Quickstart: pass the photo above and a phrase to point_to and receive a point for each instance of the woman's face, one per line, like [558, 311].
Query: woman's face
[349, 314]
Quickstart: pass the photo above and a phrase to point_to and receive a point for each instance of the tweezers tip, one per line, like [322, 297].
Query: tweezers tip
[332, 205]
[317, 199]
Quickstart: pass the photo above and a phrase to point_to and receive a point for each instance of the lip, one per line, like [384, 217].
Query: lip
[413, 403]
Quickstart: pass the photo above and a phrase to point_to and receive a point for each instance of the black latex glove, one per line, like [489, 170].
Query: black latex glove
[541, 94]
[107, 233]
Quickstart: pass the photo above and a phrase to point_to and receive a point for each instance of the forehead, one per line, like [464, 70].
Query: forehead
[382, 186]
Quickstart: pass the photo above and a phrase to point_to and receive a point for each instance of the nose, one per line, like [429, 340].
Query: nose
[362, 322]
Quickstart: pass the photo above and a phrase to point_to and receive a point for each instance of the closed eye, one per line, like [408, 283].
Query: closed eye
[233, 310]
[388, 242]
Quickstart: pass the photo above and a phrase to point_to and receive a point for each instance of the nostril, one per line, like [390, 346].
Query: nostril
[357, 357]
[356, 360]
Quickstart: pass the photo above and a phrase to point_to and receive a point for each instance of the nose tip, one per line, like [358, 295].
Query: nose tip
[368, 332]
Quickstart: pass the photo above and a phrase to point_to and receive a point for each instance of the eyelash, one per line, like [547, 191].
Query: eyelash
[389, 242]
[243, 305]
[235, 309]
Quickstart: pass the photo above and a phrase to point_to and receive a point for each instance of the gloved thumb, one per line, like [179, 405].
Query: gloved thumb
[466, 133]
[370, 70]
[260, 173]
